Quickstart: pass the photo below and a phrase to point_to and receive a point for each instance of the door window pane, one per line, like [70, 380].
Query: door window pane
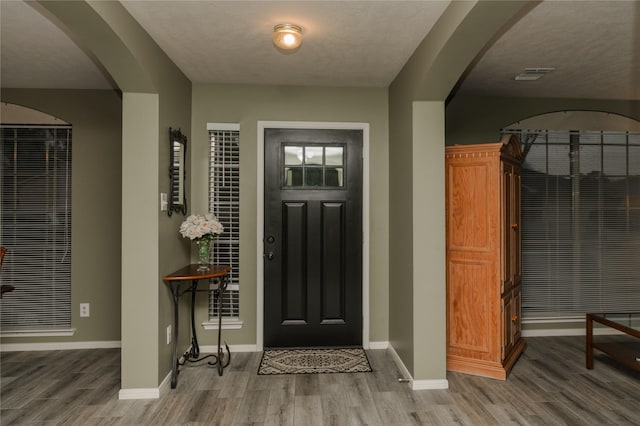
[313, 166]
[293, 155]
[313, 155]
[333, 177]
[333, 155]
[313, 176]
[293, 176]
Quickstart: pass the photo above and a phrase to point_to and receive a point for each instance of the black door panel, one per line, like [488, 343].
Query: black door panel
[313, 248]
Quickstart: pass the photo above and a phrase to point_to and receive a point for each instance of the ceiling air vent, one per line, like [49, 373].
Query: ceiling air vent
[530, 74]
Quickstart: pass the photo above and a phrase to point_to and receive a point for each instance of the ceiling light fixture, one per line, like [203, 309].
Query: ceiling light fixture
[287, 37]
[531, 74]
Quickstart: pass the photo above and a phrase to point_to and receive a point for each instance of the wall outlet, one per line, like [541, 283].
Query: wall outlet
[84, 310]
[168, 334]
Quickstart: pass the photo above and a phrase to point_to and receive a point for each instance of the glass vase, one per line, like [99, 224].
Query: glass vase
[203, 254]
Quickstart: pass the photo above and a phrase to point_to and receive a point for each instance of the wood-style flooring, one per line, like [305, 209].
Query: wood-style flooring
[549, 385]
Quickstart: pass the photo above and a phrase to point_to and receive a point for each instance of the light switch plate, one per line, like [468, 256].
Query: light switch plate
[164, 201]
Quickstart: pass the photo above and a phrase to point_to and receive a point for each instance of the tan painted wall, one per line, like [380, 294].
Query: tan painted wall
[247, 105]
[429, 332]
[138, 66]
[478, 119]
[416, 145]
[96, 205]
[171, 108]
[401, 324]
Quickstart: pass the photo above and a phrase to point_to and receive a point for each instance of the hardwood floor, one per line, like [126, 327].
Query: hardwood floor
[549, 385]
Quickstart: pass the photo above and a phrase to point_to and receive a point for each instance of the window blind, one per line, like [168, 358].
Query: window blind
[224, 202]
[580, 222]
[35, 227]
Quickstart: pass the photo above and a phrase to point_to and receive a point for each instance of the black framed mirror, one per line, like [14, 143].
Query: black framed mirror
[177, 172]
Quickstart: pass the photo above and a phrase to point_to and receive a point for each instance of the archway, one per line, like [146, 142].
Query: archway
[579, 120]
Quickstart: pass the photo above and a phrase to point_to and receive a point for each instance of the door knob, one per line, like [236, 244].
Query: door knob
[269, 255]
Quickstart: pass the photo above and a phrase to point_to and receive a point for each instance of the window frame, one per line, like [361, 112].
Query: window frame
[52, 245]
[578, 213]
[227, 209]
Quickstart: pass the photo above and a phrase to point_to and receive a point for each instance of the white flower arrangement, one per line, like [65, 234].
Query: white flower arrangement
[201, 227]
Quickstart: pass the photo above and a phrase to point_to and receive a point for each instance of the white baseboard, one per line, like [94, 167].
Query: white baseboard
[398, 361]
[211, 349]
[148, 393]
[140, 393]
[378, 345]
[59, 346]
[430, 384]
[416, 384]
[58, 332]
[165, 386]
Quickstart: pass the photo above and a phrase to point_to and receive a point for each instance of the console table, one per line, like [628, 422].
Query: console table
[191, 276]
[627, 353]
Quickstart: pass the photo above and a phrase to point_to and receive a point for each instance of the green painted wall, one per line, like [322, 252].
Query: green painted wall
[478, 119]
[96, 205]
[140, 286]
[246, 105]
[171, 107]
[428, 195]
[401, 234]
[151, 247]
[416, 211]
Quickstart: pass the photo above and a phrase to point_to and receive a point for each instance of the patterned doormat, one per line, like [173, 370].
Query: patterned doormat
[314, 361]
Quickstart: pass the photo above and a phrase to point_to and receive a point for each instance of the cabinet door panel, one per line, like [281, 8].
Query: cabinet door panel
[516, 314]
[506, 216]
[507, 325]
[471, 321]
[517, 231]
[470, 207]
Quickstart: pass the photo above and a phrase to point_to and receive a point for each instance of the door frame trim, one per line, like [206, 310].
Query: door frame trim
[262, 125]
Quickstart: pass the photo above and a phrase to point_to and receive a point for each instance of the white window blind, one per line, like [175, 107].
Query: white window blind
[580, 222]
[224, 202]
[35, 227]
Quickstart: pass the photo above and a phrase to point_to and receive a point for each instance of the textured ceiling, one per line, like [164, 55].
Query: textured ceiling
[36, 54]
[346, 43]
[594, 46]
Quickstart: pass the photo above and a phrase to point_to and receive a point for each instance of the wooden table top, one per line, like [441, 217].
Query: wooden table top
[190, 272]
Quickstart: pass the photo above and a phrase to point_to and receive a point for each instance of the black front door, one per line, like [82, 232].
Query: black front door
[313, 237]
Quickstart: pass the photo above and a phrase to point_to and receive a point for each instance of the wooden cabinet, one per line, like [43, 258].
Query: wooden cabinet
[483, 257]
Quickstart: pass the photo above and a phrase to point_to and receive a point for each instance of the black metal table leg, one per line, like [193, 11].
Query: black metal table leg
[220, 357]
[195, 348]
[174, 371]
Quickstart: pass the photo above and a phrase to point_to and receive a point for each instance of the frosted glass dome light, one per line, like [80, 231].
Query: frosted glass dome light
[287, 36]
